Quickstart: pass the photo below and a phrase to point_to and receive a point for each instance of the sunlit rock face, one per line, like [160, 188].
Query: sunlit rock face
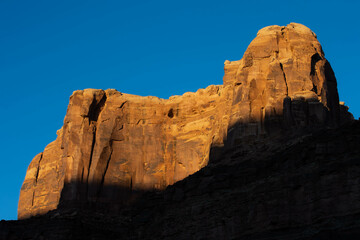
[114, 145]
[284, 63]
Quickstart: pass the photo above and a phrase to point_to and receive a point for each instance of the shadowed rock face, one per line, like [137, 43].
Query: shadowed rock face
[283, 83]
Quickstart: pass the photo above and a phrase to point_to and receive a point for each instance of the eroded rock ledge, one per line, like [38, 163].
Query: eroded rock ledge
[283, 83]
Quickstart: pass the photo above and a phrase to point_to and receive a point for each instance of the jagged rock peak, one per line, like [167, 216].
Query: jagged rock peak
[113, 146]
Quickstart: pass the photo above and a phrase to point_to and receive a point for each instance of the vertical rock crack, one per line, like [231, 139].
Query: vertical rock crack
[36, 178]
[284, 75]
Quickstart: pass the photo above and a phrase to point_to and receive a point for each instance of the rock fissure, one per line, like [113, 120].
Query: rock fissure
[122, 104]
[38, 169]
[96, 108]
[105, 170]
[284, 75]
[95, 111]
[91, 155]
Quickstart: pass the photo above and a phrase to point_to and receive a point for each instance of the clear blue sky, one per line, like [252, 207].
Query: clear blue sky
[48, 49]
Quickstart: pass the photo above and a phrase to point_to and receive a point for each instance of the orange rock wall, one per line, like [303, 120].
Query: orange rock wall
[142, 143]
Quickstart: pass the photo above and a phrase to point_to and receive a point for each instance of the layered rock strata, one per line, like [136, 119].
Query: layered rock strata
[113, 145]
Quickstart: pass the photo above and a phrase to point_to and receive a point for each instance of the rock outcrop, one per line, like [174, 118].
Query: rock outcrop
[300, 188]
[113, 146]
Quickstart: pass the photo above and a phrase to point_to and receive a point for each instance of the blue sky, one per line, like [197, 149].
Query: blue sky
[48, 49]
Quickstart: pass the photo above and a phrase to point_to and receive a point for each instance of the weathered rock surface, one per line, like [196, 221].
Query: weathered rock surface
[113, 146]
[297, 188]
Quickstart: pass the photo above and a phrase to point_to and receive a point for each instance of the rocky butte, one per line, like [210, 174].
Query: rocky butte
[134, 143]
[270, 154]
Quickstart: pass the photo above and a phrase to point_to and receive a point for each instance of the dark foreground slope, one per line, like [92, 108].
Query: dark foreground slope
[295, 188]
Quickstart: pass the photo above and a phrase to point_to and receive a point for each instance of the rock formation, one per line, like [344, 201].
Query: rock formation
[113, 146]
[299, 188]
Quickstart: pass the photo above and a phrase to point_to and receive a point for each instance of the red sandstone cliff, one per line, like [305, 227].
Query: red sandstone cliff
[282, 83]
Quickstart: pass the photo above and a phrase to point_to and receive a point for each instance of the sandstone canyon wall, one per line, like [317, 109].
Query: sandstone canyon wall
[113, 145]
